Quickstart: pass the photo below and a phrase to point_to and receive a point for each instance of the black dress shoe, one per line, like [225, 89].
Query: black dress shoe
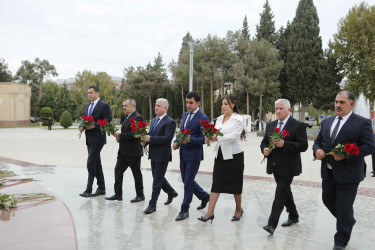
[150, 210]
[234, 218]
[138, 199]
[114, 198]
[204, 203]
[269, 229]
[98, 192]
[182, 216]
[86, 194]
[338, 248]
[289, 222]
[212, 217]
[170, 199]
[373, 175]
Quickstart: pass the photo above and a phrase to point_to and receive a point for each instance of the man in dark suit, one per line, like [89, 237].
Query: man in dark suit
[159, 138]
[129, 153]
[284, 162]
[341, 176]
[191, 154]
[95, 141]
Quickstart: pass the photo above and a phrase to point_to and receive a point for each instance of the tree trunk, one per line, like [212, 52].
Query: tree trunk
[202, 101]
[247, 103]
[183, 99]
[222, 82]
[260, 112]
[303, 108]
[212, 98]
[150, 105]
[253, 115]
[40, 89]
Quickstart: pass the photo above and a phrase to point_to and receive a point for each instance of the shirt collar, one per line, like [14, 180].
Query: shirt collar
[161, 117]
[96, 101]
[284, 121]
[345, 118]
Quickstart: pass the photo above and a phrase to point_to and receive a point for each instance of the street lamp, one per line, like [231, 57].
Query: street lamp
[191, 45]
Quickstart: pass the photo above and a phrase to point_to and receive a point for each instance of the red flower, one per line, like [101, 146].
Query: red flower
[90, 118]
[84, 117]
[214, 130]
[187, 131]
[132, 120]
[206, 126]
[206, 122]
[285, 133]
[212, 125]
[182, 130]
[133, 126]
[277, 130]
[104, 122]
[134, 129]
[99, 122]
[348, 147]
[354, 150]
[202, 122]
[140, 125]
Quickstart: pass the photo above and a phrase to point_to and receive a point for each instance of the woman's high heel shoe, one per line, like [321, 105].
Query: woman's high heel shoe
[212, 217]
[234, 218]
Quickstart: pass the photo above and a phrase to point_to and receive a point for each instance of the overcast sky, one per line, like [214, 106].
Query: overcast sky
[109, 35]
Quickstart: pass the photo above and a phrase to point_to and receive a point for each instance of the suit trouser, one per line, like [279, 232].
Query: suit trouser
[189, 170]
[122, 165]
[94, 167]
[373, 162]
[160, 182]
[283, 197]
[339, 199]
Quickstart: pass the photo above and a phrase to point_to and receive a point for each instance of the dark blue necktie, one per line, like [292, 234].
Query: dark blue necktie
[189, 118]
[155, 124]
[91, 107]
[334, 132]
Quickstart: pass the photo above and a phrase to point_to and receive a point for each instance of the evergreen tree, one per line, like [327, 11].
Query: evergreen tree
[5, 74]
[303, 60]
[64, 102]
[50, 90]
[266, 28]
[66, 119]
[245, 29]
[44, 114]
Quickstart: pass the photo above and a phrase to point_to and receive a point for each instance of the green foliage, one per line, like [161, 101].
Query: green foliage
[64, 102]
[5, 74]
[44, 114]
[354, 47]
[50, 90]
[66, 119]
[266, 28]
[245, 29]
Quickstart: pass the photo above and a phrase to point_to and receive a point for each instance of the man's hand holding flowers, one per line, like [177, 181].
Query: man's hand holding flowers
[276, 141]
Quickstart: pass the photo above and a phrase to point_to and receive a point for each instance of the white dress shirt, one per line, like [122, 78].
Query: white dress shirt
[192, 115]
[230, 141]
[95, 102]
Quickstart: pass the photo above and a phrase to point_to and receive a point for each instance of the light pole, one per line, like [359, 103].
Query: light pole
[191, 45]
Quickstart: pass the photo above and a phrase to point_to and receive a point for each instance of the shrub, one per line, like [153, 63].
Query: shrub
[44, 114]
[66, 119]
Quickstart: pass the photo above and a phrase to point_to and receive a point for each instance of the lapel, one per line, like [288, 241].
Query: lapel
[96, 106]
[273, 126]
[161, 122]
[345, 127]
[288, 124]
[183, 119]
[126, 123]
[195, 117]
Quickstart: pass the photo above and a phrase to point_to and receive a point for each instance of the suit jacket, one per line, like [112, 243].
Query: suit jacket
[160, 140]
[193, 151]
[129, 145]
[356, 129]
[94, 137]
[287, 160]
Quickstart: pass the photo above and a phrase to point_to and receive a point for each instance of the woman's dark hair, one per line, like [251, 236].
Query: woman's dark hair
[231, 100]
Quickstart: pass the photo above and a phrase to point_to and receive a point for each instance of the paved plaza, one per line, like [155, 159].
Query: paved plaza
[57, 159]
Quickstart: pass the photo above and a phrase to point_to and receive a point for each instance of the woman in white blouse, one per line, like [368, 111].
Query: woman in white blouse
[229, 159]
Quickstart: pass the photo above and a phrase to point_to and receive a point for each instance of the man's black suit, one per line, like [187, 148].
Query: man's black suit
[285, 163]
[339, 187]
[160, 153]
[95, 141]
[129, 155]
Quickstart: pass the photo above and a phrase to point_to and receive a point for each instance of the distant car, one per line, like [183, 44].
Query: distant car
[310, 121]
[33, 119]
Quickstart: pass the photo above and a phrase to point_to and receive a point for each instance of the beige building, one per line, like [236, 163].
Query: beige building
[14, 104]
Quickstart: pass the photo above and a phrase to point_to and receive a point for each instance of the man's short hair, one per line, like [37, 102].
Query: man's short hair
[96, 88]
[195, 95]
[350, 95]
[131, 101]
[164, 101]
[285, 101]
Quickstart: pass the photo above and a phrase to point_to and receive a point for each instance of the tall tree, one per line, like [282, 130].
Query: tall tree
[43, 69]
[354, 46]
[266, 28]
[63, 101]
[50, 91]
[303, 60]
[5, 74]
[245, 29]
[329, 84]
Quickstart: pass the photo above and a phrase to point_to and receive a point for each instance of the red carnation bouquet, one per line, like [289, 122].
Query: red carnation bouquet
[106, 126]
[139, 129]
[345, 151]
[87, 121]
[274, 137]
[183, 135]
[209, 130]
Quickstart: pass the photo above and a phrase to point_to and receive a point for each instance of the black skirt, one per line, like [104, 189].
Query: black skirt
[228, 174]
